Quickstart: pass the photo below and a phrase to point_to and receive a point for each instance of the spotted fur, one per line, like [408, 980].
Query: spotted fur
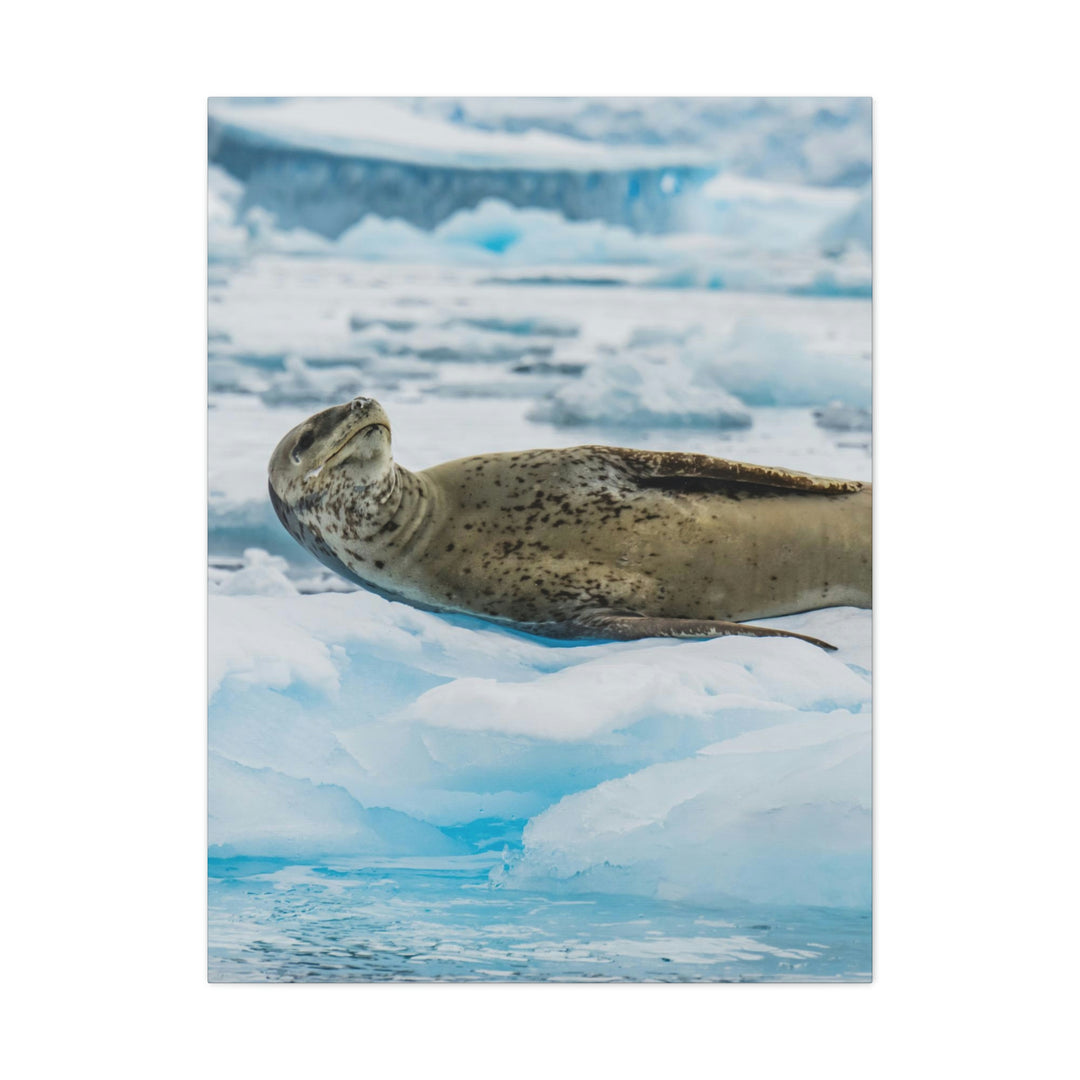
[587, 542]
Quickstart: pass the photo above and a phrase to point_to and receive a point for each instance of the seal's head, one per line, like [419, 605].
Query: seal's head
[346, 446]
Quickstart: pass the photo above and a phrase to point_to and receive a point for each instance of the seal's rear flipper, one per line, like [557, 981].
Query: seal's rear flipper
[618, 627]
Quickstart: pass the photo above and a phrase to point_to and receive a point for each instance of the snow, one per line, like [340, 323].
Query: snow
[614, 691]
[302, 384]
[260, 574]
[386, 129]
[310, 332]
[237, 232]
[776, 216]
[810, 140]
[763, 365]
[495, 233]
[854, 230]
[821, 141]
[642, 391]
[836, 416]
[227, 239]
[696, 379]
[736, 202]
[811, 241]
[780, 816]
[260, 812]
[341, 704]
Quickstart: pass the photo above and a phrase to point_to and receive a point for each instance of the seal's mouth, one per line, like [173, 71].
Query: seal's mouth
[350, 438]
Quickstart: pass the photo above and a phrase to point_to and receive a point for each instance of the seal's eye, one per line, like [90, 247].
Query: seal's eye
[305, 441]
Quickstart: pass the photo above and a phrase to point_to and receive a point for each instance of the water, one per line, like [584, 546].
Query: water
[430, 920]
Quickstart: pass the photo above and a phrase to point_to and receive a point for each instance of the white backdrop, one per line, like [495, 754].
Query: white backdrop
[975, 713]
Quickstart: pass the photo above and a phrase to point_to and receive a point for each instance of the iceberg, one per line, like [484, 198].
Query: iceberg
[771, 216]
[226, 239]
[852, 231]
[332, 708]
[535, 237]
[689, 378]
[236, 231]
[836, 416]
[259, 812]
[388, 129]
[736, 234]
[819, 141]
[322, 164]
[762, 365]
[754, 246]
[398, 181]
[777, 816]
[641, 391]
[565, 365]
[258, 573]
[495, 233]
[303, 384]
[227, 376]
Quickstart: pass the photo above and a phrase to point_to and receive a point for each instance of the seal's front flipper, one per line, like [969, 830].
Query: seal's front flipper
[618, 627]
[678, 472]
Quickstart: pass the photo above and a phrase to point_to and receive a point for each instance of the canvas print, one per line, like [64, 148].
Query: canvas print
[539, 540]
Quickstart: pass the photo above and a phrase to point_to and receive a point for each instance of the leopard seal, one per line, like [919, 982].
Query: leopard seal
[588, 542]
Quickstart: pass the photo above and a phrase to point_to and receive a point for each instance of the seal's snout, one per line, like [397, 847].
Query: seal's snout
[359, 403]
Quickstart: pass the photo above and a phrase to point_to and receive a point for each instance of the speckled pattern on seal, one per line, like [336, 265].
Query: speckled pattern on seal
[587, 542]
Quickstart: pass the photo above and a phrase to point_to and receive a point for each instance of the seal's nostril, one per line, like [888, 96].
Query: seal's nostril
[359, 403]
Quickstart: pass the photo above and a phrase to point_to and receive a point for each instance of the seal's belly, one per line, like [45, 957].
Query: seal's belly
[656, 553]
[752, 558]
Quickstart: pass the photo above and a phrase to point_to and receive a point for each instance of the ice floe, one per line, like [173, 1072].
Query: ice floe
[349, 704]
[836, 416]
[779, 815]
[642, 390]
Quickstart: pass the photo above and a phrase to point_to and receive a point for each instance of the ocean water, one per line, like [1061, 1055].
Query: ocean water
[444, 919]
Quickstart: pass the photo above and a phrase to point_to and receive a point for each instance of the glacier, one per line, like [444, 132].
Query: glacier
[403, 181]
[321, 164]
[747, 240]
[818, 141]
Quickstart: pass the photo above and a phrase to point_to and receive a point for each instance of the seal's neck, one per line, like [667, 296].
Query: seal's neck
[395, 512]
[385, 493]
